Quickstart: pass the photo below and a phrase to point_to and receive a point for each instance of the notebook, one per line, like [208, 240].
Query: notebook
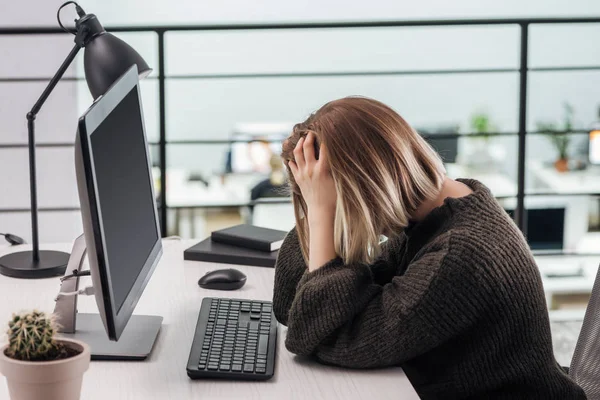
[216, 252]
[251, 237]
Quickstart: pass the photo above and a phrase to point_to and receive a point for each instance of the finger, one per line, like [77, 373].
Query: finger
[299, 154]
[309, 150]
[323, 158]
[293, 168]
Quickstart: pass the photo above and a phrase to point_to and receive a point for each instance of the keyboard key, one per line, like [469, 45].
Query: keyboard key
[201, 366]
[236, 367]
[263, 344]
[224, 367]
[213, 367]
[261, 370]
[248, 367]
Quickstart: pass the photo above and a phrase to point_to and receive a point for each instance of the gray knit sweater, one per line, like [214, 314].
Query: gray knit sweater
[456, 300]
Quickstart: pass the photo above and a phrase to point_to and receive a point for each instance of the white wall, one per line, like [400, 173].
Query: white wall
[210, 108]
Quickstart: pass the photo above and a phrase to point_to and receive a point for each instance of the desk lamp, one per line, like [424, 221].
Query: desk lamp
[106, 58]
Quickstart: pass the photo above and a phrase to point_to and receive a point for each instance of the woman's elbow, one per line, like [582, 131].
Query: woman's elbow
[297, 347]
[281, 314]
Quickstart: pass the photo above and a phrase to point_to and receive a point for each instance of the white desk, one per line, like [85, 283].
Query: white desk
[173, 293]
[548, 178]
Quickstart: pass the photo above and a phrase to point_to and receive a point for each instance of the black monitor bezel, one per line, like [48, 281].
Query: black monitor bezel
[115, 319]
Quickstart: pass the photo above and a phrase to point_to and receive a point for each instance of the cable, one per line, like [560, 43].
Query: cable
[74, 32]
[88, 291]
[12, 239]
[75, 274]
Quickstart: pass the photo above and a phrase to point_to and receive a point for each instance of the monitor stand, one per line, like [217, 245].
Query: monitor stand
[138, 337]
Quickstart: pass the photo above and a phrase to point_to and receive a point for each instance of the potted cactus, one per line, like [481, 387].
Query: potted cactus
[37, 365]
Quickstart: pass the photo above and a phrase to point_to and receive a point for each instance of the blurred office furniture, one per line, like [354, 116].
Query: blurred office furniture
[500, 184]
[566, 215]
[173, 292]
[574, 185]
[274, 185]
[444, 140]
[546, 177]
[545, 227]
[273, 213]
[253, 145]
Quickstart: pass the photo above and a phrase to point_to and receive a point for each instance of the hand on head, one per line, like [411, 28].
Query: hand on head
[313, 176]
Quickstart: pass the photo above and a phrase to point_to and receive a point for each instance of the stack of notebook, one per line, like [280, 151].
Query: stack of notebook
[240, 244]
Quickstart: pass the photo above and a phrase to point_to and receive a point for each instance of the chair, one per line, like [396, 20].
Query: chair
[585, 366]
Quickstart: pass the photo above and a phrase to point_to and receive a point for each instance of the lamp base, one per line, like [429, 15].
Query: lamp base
[21, 264]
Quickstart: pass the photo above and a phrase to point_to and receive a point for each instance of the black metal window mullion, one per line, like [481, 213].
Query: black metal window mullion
[162, 142]
[523, 71]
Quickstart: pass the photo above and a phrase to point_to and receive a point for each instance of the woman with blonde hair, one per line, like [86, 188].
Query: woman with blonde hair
[453, 296]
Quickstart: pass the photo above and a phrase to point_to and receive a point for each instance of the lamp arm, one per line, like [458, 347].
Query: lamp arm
[54, 81]
[31, 145]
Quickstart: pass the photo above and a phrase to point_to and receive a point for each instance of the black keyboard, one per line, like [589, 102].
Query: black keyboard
[234, 339]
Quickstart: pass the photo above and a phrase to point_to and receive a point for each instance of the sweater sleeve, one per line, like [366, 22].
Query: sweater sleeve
[342, 317]
[290, 268]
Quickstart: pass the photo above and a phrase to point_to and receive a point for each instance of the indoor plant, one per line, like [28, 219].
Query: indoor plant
[560, 138]
[482, 156]
[481, 125]
[37, 365]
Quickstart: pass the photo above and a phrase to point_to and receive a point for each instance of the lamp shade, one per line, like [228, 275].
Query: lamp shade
[106, 58]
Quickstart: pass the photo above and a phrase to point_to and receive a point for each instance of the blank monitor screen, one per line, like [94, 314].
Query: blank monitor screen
[545, 228]
[125, 194]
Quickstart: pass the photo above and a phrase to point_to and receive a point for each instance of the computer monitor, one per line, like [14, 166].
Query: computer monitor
[594, 154]
[545, 227]
[442, 140]
[120, 220]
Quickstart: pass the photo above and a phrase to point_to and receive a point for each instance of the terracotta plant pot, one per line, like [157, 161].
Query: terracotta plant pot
[562, 165]
[47, 380]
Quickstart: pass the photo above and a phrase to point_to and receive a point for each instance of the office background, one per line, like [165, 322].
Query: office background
[220, 82]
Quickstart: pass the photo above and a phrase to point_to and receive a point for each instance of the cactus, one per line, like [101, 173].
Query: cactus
[31, 337]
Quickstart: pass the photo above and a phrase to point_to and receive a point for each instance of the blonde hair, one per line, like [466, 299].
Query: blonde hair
[382, 170]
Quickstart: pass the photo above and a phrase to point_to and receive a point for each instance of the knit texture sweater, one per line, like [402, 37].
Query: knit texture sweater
[456, 300]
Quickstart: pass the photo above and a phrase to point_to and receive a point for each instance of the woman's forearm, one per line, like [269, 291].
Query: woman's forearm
[321, 244]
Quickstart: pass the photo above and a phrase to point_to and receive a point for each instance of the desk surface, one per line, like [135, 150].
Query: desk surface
[173, 293]
[584, 181]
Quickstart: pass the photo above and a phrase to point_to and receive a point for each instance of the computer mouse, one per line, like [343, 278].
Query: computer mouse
[223, 279]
